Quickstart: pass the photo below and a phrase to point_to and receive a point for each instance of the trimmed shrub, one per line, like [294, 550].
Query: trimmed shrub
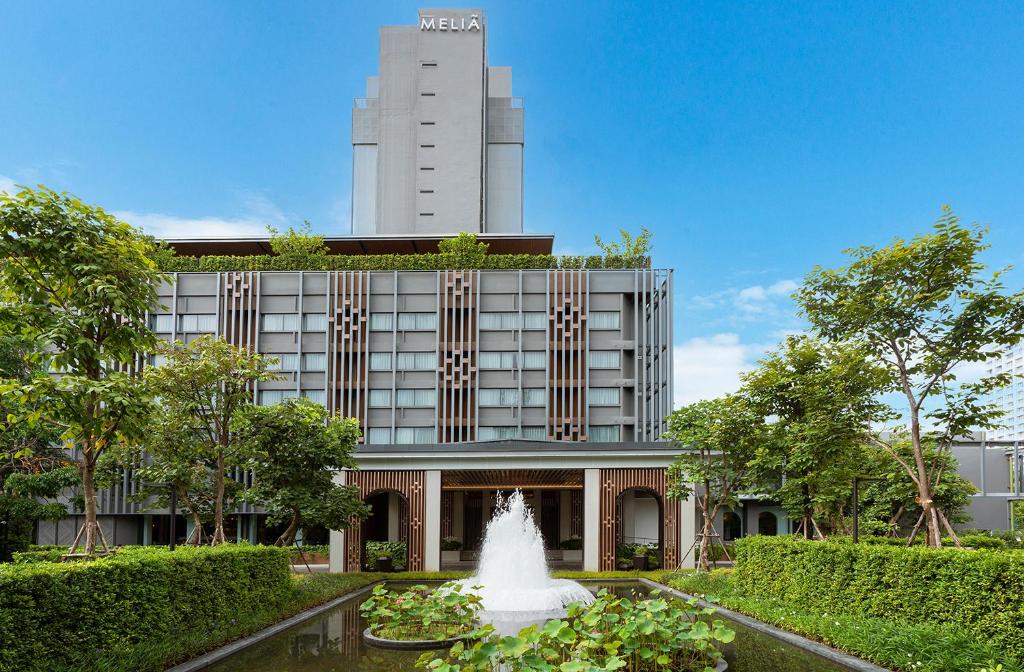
[75, 616]
[979, 590]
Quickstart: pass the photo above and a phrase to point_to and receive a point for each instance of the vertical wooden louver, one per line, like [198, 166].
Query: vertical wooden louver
[239, 300]
[347, 343]
[410, 485]
[457, 347]
[614, 482]
[567, 352]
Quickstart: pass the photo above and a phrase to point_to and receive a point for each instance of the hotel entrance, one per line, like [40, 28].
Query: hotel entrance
[469, 499]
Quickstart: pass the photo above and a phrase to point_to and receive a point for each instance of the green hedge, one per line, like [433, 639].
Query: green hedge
[81, 615]
[392, 262]
[979, 590]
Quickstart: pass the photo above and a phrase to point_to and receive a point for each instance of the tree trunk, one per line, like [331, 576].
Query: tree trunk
[195, 538]
[91, 529]
[218, 536]
[933, 529]
[287, 537]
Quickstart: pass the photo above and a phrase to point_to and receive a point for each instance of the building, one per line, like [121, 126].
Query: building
[1010, 399]
[437, 141]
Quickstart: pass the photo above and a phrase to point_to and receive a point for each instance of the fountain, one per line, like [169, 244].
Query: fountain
[512, 579]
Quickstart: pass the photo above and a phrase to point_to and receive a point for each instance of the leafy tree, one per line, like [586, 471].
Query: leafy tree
[203, 386]
[297, 449]
[463, 251]
[922, 307]
[823, 398]
[719, 439]
[628, 246]
[299, 242]
[78, 281]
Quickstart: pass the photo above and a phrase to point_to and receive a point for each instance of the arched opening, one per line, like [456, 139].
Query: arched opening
[640, 524]
[732, 526]
[385, 532]
[767, 524]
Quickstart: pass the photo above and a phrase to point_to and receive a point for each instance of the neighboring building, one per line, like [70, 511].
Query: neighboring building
[437, 143]
[1010, 399]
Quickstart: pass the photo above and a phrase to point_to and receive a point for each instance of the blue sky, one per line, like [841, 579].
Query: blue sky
[754, 139]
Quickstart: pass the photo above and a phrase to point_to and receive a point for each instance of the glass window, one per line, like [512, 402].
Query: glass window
[603, 433]
[499, 320]
[497, 360]
[280, 322]
[417, 321]
[508, 432]
[197, 323]
[314, 361]
[417, 361]
[534, 396]
[286, 361]
[604, 319]
[380, 398]
[161, 323]
[314, 322]
[605, 359]
[415, 435]
[316, 396]
[534, 359]
[380, 361]
[378, 435]
[603, 396]
[500, 396]
[426, 398]
[535, 320]
[535, 433]
[381, 321]
[271, 397]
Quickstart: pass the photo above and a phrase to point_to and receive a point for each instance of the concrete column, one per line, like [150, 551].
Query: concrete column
[687, 532]
[591, 519]
[432, 522]
[147, 530]
[336, 548]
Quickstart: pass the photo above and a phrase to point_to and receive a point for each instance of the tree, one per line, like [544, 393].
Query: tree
[296, 450]
[628, 246]
[823, 398]
[921, 308]
[301, 242]
[202, 387]
[80, 283]
[719, 438]
[463, 251]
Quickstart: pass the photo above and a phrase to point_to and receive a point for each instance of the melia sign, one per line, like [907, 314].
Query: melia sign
[450, 24]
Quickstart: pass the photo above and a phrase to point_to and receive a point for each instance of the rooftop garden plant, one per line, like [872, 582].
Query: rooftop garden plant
[423, 613]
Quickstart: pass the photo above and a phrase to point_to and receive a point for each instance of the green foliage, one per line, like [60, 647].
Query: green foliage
[573, 543]
[451, 544]
[980, 591]
[463, 251]
[628, 246]
[612, 633]
[80, 283]
[921, 308]
[892, 643]
[84, 615]
[311, 549]
[624, 554]
[422, 613]
[296, 448]
[397, 551]
[297, 244]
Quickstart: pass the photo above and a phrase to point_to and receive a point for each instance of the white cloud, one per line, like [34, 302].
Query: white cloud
[710, 366]
[761, 299]
[171, 226]
[7, 185]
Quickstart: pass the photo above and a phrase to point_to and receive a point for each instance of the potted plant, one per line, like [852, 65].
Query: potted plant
[385, 556]
[572, 549]
[640, 558]
[451, 549]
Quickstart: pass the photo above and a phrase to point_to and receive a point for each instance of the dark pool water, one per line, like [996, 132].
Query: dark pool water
[333, 642]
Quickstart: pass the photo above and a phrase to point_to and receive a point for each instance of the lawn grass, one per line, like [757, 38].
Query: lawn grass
[906, 647]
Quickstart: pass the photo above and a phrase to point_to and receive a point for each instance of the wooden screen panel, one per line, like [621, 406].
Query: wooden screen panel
[613, 483]
[567, 366]
[457, 343]
[410, 484]
[239, 302]
[347, 359]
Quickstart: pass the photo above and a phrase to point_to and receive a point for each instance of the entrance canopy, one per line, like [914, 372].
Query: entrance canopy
[511, 479]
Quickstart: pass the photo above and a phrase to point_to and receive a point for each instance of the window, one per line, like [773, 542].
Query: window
[280, 322]
[314, 361]
[426, 214]
[429, 64]
[417, 361]
[380, 398]
[197, 323]
[535, 320]
[381, 321]
[161, 323]
[417, 321]
[497, 360]
[501, 396]
[603, 433]
[285, 361]
[426, 123]
[380, 361]
[510, 320]
[427, 146]
[378, 435]
[415, 435]
[534, 359]
[416, 398]
[605, 359]
[271, 397]
[603, 396]
[426, 191]
[316, 396]
[535, 433]
[426, 168]
[314, 322]
[534, 396]
[503, 432]
[604, 319]
[427, 94]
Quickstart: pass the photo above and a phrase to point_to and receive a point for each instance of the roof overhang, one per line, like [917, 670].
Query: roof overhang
[499, 243]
